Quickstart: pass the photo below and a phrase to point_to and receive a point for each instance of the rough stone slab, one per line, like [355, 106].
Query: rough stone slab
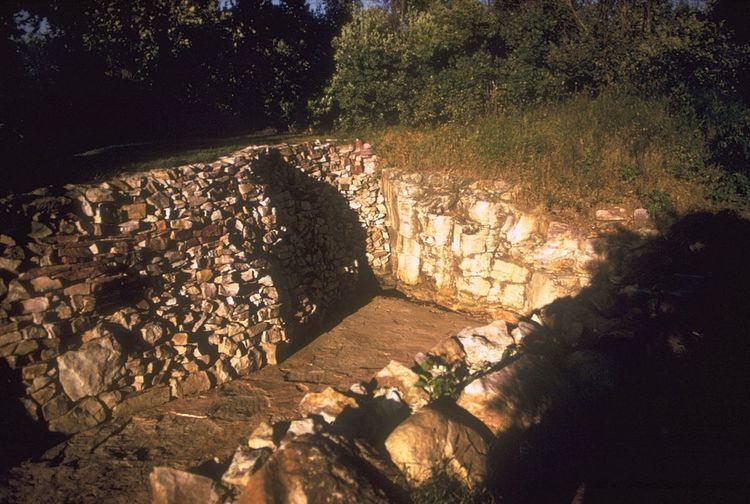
[149, 399]
[518, 395]
[313, 468]
[90, 369]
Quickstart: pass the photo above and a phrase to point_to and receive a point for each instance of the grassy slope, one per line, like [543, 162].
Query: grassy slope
[101, 163]
[135, 157]
[568, 158]
[571, 157]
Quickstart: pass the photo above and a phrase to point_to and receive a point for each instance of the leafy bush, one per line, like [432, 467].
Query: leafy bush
[369, 85]
[436, 66]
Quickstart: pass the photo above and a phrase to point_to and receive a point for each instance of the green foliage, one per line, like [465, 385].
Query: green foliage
[658, 203]
[83, 74]
[441, 379]
[435, 66]
[367, 87]
[455, 61]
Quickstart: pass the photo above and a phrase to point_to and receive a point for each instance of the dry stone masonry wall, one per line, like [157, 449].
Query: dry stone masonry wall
[123, 294]
[468, 246]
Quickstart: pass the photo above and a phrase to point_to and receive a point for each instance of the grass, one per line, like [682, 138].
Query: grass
[108, 160]
[571, 157]
[444, 488]
[568, 158]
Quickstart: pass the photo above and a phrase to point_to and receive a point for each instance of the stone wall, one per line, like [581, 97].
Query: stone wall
[123, 294]
[468, 246]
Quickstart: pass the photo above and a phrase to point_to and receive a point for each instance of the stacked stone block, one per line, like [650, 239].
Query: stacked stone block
[469, 246]
[120, 295]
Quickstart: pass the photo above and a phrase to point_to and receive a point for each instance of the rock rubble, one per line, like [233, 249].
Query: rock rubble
[379, 439]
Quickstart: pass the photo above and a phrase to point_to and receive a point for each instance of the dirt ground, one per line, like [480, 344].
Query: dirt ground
[111, 463]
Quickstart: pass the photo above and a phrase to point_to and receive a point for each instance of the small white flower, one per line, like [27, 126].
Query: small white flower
[439, 370]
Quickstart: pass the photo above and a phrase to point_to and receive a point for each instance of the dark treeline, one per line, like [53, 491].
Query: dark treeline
[84, 73]
[78, 74]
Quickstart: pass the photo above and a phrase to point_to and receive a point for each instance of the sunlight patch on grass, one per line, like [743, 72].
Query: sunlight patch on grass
[106, 161]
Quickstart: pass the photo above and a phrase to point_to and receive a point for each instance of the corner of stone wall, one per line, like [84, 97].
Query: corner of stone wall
[121, 295]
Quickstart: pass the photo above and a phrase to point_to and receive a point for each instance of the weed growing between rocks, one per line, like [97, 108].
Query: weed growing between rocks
[441, 379]
[445, 488]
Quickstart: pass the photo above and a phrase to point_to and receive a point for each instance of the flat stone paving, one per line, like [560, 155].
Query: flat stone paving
[111, 463]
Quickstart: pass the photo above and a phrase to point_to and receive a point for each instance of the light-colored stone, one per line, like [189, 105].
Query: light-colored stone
[488, 213]
[328, 404]
[409, 262]
[244, 463]
[439, 228]
[541, 291]
[468, 241]
[474, 286]
[261, 437]
[484, 345]
[478, 264]
[523, 229]
[398, 376]
[513, 296]
[508, 272]
[89, 370]
[431, 440]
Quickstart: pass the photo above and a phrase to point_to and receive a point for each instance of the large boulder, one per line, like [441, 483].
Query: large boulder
[316, 468]
[90, 369]
[244, 463]
[439, 438]
[516, 396]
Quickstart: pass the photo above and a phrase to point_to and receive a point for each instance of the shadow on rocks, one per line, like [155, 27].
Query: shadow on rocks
[662, 414]
[20, 436]
[329, 270]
